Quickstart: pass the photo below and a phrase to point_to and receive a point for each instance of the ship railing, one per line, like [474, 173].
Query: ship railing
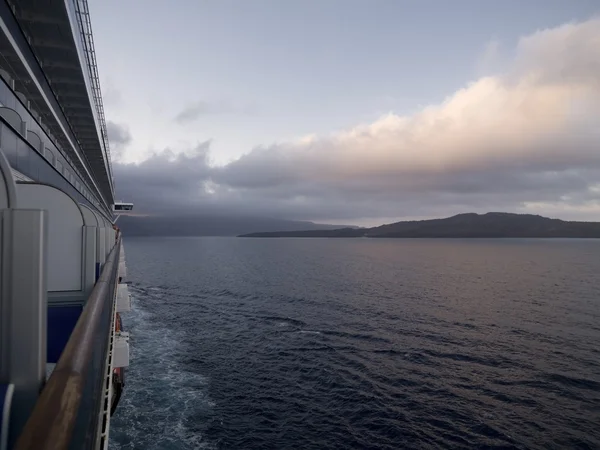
[68, 413]
[56, 306]
[87, 39]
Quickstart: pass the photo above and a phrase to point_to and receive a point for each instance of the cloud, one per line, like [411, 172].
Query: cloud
[528, 136]
[201, 108]
[166, 180]
[492, 59]
[119, 138]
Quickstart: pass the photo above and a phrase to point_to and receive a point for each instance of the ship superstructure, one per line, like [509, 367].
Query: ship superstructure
[62, 347]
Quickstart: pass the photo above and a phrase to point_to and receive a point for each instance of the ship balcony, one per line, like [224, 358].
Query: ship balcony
[47, 56]
[60, 276]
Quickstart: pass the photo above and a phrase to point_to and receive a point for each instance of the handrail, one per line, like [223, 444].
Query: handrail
[51, 424]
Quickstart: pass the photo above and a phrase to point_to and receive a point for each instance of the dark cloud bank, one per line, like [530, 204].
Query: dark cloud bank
[524, 141]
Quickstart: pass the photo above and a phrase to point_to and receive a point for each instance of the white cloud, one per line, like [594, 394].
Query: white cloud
[527, 137]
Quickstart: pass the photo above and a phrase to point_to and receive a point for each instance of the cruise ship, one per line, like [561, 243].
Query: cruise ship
[62, 270]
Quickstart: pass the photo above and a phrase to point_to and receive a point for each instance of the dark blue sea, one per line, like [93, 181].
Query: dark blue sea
[361, 344]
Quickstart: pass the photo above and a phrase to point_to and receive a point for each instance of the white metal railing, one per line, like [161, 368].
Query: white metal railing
[85, 28]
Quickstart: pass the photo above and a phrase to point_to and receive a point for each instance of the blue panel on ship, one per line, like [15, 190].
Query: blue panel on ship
[61, 321]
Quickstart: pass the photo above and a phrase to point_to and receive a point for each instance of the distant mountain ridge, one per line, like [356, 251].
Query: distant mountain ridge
[467, 225]
[208, 225]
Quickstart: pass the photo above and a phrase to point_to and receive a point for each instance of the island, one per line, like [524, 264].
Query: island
[468, 225]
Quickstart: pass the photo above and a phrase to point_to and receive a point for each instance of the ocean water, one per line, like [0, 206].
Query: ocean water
[361, 344]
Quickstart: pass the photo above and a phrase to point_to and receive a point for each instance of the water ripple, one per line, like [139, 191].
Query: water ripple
[362, 344]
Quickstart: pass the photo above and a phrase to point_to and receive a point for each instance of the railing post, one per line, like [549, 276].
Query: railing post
[100, 253]
[89, 259]
[108, 244]
[24, 310]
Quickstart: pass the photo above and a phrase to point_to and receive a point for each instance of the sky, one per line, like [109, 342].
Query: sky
[350, 111]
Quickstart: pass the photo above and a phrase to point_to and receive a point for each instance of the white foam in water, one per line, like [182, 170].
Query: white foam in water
[160, 395]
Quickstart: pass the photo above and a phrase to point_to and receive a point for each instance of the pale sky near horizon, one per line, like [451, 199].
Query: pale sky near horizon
[292, 80]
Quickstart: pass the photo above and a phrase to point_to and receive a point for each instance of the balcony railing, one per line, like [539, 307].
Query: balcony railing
[67, 414]
[85, 28]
